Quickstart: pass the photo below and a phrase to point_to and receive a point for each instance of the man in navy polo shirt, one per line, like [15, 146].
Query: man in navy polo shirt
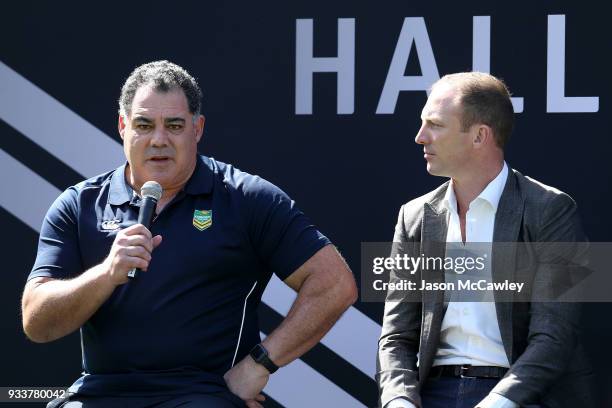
[185, 331]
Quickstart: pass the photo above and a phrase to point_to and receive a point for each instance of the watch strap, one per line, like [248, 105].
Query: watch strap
[261, 356]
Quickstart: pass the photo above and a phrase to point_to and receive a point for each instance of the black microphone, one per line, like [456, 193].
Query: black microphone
[150, 192]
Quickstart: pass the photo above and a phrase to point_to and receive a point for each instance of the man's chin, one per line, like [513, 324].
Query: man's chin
[157, 163]
[159, 176]
[432, 170]
[436, 172]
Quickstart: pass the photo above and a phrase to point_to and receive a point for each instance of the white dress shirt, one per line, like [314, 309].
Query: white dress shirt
[470, 331]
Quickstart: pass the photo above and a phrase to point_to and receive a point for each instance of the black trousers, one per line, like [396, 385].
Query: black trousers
[216, 400]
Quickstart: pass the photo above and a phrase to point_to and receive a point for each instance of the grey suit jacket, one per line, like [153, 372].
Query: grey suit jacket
[548, 366]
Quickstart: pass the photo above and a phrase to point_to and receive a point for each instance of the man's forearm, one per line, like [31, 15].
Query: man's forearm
[321, 300]
[55, 308]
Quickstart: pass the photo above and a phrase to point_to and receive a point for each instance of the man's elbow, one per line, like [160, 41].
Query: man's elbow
[353, 294]
[348, 291]
[32, 317]
[37, 338]
[33, 332]
[33, 327]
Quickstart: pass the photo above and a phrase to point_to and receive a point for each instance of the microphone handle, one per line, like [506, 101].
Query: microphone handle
[145, 216]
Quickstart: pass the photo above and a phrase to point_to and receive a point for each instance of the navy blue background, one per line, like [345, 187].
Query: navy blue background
[348, 173]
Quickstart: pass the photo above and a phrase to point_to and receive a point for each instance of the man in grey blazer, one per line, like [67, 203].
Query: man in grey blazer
[503, 354]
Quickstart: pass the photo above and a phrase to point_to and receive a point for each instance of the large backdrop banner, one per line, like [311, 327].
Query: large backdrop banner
[321, 98]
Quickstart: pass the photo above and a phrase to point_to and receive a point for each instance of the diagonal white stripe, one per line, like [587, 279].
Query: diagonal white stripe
[54, 127]
[298, 385]
[30, 195]
[354, 337]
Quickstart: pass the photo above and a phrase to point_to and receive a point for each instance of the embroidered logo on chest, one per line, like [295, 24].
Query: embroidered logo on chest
[110, 225]
[202, 219]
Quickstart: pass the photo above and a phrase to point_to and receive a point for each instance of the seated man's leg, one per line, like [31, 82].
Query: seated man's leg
[440, 392]
[218, 400]
[444, 392]
[79, 401]
[474, 390]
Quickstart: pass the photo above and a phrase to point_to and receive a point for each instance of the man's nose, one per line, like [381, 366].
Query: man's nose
[421, 137]
[160, 136]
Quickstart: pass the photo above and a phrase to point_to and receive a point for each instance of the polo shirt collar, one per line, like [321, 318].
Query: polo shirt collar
[120, 192]
[200, 182]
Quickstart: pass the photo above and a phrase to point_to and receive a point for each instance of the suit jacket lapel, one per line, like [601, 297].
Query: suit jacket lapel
[433, 238]
[508, 221]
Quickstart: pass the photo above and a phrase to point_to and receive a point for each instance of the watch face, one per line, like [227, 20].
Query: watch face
[258, 353]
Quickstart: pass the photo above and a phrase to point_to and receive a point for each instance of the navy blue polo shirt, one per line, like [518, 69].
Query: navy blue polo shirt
[185, 321]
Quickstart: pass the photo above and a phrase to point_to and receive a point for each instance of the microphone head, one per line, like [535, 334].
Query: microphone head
[151, 189]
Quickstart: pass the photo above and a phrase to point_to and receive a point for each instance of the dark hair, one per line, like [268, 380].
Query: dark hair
[484, 99]
[163, 76]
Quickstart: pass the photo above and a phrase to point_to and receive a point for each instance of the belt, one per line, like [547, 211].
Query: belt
[467, 370]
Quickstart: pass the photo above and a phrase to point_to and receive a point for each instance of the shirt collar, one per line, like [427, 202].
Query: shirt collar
[449, 200]
[200, 182]
[120, 192]
[493, 191]
[491, 194]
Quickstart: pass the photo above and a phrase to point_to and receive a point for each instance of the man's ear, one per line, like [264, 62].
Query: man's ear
[121, 125]
[483, 136]
[199, 127]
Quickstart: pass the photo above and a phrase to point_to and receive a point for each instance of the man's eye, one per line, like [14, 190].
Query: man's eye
[143, 126]
[175, 127]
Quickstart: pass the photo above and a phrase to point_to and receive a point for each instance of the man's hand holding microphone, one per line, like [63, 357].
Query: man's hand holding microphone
[133, 246]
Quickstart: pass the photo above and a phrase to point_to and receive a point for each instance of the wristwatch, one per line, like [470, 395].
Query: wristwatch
[260, 355]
